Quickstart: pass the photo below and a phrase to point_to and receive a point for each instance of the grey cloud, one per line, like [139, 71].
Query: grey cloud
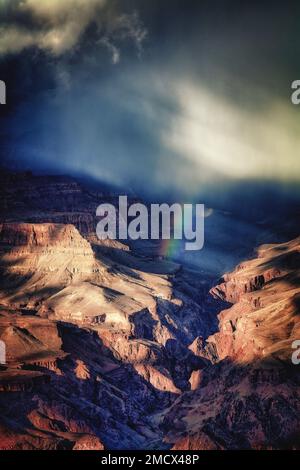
[57, 27]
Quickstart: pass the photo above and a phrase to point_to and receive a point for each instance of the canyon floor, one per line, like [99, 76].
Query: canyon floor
[112, 347]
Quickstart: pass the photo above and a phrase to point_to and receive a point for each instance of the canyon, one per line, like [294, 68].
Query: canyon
[112, 346]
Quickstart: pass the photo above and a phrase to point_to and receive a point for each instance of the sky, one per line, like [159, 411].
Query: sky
[166, 96]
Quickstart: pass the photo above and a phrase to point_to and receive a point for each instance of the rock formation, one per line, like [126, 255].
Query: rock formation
[249, 397]
[92, 345]
[109, 346]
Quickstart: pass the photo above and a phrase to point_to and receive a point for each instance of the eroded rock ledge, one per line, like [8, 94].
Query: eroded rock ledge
[250, 396]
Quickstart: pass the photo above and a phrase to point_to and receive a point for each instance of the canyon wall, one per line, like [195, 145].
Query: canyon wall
[249, 397]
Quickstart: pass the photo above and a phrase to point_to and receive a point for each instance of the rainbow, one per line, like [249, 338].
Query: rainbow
[169, 248]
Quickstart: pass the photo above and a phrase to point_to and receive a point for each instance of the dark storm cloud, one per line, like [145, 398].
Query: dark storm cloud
[157, 95]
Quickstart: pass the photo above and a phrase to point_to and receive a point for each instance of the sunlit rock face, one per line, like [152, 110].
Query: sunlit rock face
[264, 319]
[249, 397]
[94, 346]
[53, 269]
